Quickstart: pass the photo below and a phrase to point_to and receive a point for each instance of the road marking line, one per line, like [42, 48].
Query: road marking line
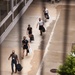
[48, 44]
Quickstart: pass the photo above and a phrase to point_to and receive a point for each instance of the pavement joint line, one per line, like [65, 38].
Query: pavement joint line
[48, 44]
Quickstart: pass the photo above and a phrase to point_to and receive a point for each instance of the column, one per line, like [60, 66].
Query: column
[12, 5]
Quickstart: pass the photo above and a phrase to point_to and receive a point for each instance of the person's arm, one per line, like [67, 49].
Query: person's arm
[17, 59]
[22, 43]
[10, 56]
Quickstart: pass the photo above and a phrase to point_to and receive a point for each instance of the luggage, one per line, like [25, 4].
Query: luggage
[19, 67]
[30, 51]
[43, 29]
[47, 17]
[32, 37]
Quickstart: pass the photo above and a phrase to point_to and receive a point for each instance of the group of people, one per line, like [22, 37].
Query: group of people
[25, 42]
[41, 22]
[25, 45]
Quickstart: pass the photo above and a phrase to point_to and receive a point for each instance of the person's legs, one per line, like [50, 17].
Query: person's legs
[12, 66]
[23, 54]
[45, 17]
[27, 51]
[15, 66]
[40, 32]
[30, 36]
[40, 28]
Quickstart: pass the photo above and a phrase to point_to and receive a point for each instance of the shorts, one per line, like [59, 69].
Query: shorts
[26, 48]
[40, 27]
[30, 33]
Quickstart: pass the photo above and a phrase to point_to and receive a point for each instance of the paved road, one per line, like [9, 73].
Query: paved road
[48, 50]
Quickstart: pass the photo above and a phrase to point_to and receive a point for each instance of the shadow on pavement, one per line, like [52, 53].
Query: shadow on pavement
[66, 25]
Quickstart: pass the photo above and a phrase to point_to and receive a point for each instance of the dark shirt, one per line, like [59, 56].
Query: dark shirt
[14, 56]
[25, 42]
[29, 30]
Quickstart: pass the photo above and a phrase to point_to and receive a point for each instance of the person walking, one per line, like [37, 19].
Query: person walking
[13, 61]
[41, 24]
[25, 45]
[46, 13]
[29, 30]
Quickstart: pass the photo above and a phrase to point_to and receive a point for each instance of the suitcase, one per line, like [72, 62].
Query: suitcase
[47, 16]
[43, 29]
[19, 67]
[32, 37]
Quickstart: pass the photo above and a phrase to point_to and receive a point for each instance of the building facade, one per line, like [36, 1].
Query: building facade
[9, 14]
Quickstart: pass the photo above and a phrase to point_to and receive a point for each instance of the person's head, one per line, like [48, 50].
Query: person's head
[13, 51]
[39, 19]
[24, 37]
[28, 25]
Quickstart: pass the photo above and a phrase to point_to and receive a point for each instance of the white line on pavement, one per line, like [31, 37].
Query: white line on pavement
[48, 44]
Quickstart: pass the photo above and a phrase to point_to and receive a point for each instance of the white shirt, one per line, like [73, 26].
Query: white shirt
[40, 23]
[46, 10]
